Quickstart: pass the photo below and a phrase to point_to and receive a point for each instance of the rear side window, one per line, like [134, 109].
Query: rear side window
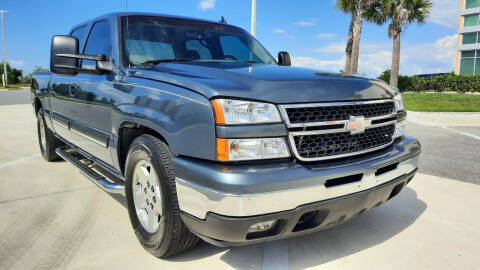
[79, 33]
[98, 42]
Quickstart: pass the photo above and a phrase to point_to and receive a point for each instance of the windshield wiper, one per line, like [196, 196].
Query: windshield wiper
[158, 61]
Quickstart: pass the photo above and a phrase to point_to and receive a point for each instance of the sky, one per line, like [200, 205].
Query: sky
[313, 31]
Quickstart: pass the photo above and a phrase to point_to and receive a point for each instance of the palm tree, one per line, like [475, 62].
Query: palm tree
[347, 6]
[356, 8]
[400, 13]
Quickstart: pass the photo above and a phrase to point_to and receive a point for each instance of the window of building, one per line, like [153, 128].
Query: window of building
[472, 4]
[470, 62]
[470, 20]
[470, 38]
[98, 42]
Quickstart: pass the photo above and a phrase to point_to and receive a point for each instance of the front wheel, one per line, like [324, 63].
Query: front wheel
[46, 140]
[152, 199]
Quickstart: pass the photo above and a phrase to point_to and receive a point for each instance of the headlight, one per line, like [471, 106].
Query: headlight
[398, 99]
[250, 149]
[240, 112]
[399, 129]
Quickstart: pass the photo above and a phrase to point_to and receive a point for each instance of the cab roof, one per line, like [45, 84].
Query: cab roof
[115, 15]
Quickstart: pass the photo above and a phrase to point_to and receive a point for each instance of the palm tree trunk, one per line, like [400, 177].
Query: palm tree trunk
[395, 60]
[357, 17]
[348, 50]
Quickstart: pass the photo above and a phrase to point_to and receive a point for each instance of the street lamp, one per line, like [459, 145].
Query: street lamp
[254, 17]
[4, 49]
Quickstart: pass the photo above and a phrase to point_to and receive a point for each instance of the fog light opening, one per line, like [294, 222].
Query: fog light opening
[262, 229]
[310, 220]
[396, 190]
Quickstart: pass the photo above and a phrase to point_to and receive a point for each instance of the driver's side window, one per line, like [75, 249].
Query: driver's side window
[98, 42]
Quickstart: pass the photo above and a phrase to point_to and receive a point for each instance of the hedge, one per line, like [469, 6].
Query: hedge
[448, 82]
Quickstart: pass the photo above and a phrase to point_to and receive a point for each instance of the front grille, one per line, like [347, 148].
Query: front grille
[341, 112]
[332, 130]
[334, 144]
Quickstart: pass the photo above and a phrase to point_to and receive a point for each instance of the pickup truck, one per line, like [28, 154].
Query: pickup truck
[210, 137]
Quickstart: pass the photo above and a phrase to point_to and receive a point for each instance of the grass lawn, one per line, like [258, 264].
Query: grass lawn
[13, 86]
[425, 102]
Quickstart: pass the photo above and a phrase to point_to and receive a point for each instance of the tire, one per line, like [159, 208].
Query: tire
[46, 140]
[171, 237]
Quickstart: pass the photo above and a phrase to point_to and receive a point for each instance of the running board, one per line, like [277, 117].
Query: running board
[69, 155]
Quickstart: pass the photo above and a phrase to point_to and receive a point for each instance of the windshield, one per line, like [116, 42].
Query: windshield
[153, 39]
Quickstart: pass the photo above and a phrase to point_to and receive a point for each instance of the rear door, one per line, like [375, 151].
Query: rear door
[90, 112]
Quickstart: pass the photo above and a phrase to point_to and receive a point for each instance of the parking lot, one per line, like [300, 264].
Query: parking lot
[51, 217]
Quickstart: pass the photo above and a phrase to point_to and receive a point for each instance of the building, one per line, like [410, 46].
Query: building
[468, 54]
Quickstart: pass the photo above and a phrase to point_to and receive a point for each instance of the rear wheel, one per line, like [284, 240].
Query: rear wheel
[46, 140]
[152, 199]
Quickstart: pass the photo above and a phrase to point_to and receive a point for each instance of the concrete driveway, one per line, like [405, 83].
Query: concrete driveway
[51, 217]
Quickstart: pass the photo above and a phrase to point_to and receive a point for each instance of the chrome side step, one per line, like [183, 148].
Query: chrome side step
[71, 156]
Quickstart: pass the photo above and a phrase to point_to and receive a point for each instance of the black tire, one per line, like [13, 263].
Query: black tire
[171, 237]
[51, 143]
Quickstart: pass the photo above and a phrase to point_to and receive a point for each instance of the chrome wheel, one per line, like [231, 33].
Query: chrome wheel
[43, 137]
[147, 196]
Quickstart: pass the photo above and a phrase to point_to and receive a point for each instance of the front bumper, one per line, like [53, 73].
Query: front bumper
[232, 231]
[218, 195]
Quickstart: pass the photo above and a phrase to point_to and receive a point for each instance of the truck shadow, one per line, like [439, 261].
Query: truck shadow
[370, 229]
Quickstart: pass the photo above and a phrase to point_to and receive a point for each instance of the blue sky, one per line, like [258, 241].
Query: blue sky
[313, 31]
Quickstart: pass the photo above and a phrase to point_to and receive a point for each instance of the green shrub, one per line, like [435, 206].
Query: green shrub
[418, 84]
[448, 82]
[404, 82]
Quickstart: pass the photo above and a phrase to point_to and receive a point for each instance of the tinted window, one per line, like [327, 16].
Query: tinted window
[144, 50]
[156, 38]
[79, 33]
[98, 43]
[197, 50]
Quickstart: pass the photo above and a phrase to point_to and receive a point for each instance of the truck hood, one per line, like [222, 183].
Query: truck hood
[269, 83]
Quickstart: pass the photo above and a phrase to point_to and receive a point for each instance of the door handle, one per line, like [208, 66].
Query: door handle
[72, 90]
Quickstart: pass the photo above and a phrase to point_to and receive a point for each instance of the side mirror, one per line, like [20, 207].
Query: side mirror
[284, 59]
[64, 58]
[63, 45]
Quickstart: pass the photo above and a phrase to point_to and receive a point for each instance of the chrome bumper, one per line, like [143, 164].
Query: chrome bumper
[198, 200]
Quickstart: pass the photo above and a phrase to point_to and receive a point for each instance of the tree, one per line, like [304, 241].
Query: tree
[400, 13]
[357, 9]
[13, 75]
[40, 69]
[404, 82]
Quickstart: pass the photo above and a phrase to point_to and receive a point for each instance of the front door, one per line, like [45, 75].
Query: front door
[90, 122]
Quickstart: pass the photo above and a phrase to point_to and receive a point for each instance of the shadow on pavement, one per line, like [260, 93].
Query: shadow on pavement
[370, 229]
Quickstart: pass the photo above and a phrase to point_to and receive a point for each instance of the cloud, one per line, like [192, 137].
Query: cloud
[206, 4]
[283, 33]
[325, 36]
[309, 22]
[337, 47]
[310, 62]
[376, 57]
[445, 12]
[16, 63]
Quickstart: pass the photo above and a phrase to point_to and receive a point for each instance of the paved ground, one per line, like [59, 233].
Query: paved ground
[51, 217]
[12, 97]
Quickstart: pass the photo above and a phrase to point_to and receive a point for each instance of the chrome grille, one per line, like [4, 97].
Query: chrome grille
[332, 130]
[329, 113]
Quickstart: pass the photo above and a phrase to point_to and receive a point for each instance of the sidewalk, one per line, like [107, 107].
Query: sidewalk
[470, 119]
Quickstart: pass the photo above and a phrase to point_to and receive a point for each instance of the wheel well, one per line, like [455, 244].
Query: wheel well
[127, 133]
[37, 105]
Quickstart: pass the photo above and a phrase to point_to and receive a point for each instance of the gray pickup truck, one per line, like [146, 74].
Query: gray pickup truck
[208, 136]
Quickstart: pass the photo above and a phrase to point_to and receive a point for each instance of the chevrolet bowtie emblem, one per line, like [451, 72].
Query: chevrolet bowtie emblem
[357, 124]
